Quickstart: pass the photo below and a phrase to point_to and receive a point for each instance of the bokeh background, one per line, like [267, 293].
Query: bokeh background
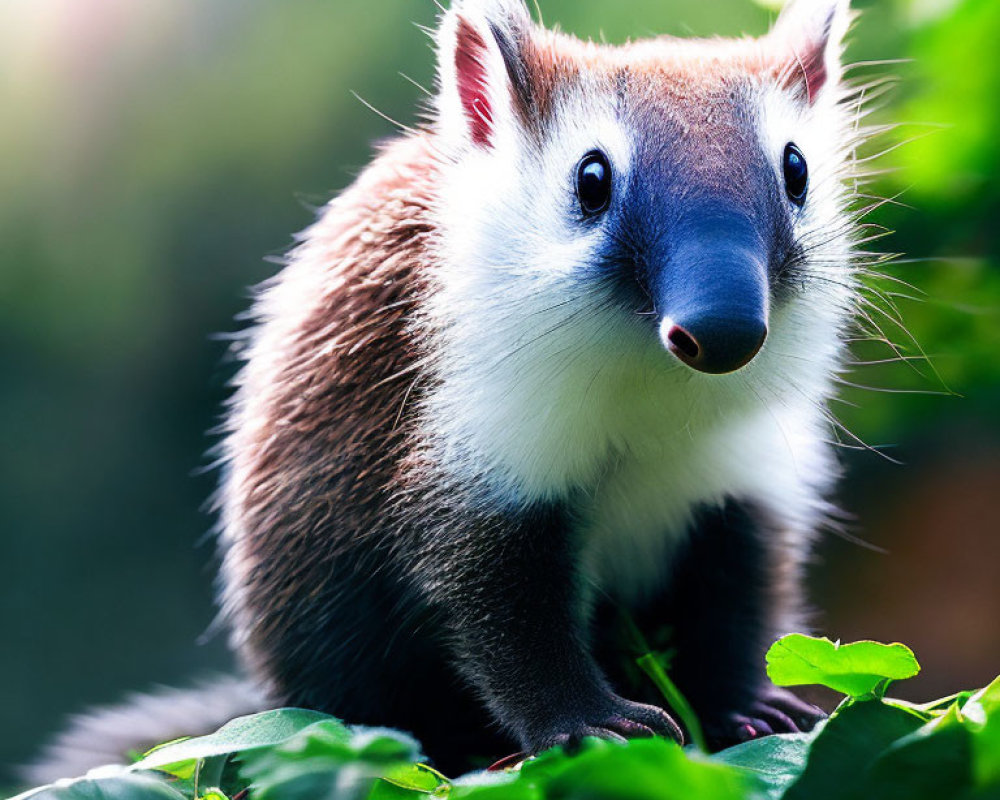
[154, 154]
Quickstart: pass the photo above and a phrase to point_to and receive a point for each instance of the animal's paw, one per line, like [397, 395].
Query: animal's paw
[615, 719]
[774, 711]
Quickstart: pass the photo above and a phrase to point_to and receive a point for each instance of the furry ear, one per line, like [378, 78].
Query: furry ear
[480, 67]
[808, 37]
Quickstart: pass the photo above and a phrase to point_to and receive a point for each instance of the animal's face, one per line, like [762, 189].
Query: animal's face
[668, 209]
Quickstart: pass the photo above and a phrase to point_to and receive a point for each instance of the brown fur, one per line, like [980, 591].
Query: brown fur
[692, 77]
[321, 416]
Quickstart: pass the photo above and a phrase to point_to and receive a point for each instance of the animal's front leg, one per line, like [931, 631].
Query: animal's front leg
[506, 586]
[731, 588]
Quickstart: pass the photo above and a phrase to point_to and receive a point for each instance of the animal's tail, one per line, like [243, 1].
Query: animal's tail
[110, 734]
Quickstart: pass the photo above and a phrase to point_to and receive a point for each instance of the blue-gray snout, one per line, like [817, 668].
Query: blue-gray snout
[713, 295]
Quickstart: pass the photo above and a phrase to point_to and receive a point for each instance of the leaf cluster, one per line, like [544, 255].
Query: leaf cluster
[872, 746]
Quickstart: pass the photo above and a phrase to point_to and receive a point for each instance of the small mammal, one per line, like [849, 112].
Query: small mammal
[564, 348]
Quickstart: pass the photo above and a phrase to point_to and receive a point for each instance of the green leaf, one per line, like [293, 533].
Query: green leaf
[384, 790]
[982, 713]
[956, 751]
[777, 761]
[210, 772]
[645, 769]
[416, 778]
[242, 734]
[327, 761]
[941, 706]
[932, 762]
[986, 754]
[983, 705]
[383, 745]
[485, 785]
[860, 669]
[652, 667]
[116, 787]
[846, 746]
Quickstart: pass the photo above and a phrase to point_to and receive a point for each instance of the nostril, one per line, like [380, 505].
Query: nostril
[683, 343]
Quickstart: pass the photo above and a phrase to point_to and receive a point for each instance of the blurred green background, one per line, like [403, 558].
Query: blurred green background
[153, 153]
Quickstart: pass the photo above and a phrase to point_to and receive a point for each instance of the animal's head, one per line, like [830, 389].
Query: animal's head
[677, 205]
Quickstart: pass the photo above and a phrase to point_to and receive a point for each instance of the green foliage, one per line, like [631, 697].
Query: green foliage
[839, 757]
[327, 760]
[939, 163]
[123, 786]
[243, 735]
[776, 762]
[649, 664]
[857, 670]
[870, 747]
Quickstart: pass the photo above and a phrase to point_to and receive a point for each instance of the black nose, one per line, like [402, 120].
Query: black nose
[715, 345]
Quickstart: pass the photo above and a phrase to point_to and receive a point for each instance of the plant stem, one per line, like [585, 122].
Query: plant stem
[674, 698]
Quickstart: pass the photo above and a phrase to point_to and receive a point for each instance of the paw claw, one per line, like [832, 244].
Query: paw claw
[615, 720]
[630, 728]
[775, 711]
[603, 732]
[806, 715]
[508, 762]
[746, 732]
[778, 719]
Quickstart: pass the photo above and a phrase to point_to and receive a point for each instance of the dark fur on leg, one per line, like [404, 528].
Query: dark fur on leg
[509, 596]
[720, 609]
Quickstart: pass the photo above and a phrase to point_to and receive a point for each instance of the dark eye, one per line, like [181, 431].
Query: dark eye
[593, 183]
[796, 174]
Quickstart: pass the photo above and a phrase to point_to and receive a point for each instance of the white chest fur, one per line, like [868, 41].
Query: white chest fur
[559, 407]
[641, 508]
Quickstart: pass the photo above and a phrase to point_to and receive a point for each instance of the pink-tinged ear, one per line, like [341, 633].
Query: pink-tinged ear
[808, 38]
[472, 78]
[478, 68]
